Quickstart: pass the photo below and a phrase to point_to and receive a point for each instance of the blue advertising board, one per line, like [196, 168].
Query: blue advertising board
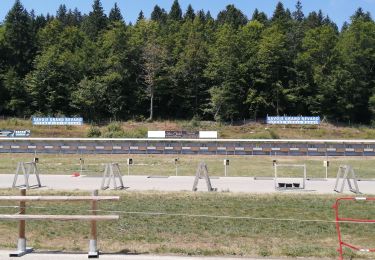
[293, 120]
[15, 133]
[57, 121]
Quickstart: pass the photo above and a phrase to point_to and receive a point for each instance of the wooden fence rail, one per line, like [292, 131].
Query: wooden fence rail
[21, 216]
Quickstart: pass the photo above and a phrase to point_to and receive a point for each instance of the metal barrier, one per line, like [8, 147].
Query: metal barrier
[350, 220]
[112, 173]
[289, 185]
[27, 168]
[189, 146]
[346, 174]
[202, 172]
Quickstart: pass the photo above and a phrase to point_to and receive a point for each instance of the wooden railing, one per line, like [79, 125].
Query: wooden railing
[22, 217]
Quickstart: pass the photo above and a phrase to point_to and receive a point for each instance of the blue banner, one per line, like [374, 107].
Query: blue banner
[57, 121]
[15, 133]
[293, 120]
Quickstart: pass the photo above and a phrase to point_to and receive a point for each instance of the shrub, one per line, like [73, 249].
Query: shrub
[94, 131]
[114, 127]
[273, 134]
[195, 121]
[114, 130]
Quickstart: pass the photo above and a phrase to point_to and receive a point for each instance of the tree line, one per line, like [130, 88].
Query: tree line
[188, 64]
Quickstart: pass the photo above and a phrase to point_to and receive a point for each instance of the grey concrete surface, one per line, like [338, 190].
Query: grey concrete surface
[183, 183]
[59, 256]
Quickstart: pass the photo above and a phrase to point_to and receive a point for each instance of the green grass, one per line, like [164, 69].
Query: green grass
[163, 165]
[199, 235]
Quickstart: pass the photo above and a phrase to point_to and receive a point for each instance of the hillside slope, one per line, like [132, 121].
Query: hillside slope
[134, 129]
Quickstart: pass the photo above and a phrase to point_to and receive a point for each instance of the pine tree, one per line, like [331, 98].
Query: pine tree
[201, 15]
[232, 16]
[49, 17]
[61, 14]
[19, 39]
[176, 12]
[345, 26]
[313, 20]
[279, 13]
[38, 23]
[259, 16]
[77, 17]
[209, 16]
[96, 21]
[115, 14]
[298, 13]
[360, 14]
[159, 14]
[189, 15]
[141, 16]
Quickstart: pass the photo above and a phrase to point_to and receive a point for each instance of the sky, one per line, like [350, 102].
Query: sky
[338, 10]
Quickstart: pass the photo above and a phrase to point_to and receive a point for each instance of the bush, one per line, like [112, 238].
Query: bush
[195, 121]
[114, 127]
[94, 131]
[273, 134]
[114, 130]
[140, 132]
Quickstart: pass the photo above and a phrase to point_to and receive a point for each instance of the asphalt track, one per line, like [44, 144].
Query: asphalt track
[184, 183]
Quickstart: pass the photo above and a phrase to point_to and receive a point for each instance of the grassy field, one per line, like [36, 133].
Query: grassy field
[189, 226]
[177, 233]
[163, 165]
[133, 129]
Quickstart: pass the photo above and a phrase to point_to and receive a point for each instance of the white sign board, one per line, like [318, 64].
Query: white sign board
[208, 134]
[156, 134]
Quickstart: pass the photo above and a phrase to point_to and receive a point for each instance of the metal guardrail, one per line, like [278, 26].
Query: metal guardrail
[189, 146]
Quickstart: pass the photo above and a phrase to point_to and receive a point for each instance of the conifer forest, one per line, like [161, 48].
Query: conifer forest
[181, 64]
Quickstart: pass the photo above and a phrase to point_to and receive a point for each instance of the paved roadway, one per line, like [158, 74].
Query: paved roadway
[183, 183]
[56, 256]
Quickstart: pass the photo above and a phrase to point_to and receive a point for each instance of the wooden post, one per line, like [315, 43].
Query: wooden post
[21, 244]
[93, 251]
[22, 224]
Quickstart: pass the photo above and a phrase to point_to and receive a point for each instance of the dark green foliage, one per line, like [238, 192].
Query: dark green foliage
[361, 15]
[61, 14]
[175, 13]
[185, 66]
[93, 132]
[189, 15]
[38, 23]
[314, 19]
[298, 13]
[259, 16]
[19, 39]
[14, 93]
[279, 13]
[141, 16]
[233, 16]
[96, 21]
[159, 14]
[115, 14]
